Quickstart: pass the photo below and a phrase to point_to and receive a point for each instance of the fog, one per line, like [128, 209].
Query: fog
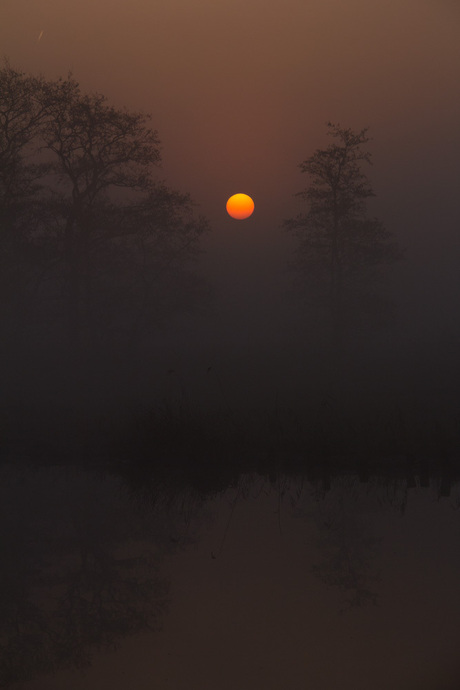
[229, 449]
[240, 94]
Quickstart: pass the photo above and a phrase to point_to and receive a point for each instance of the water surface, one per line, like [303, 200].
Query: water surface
[270, 583]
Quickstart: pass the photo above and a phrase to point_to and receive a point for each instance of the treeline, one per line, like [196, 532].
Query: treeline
[95, 249]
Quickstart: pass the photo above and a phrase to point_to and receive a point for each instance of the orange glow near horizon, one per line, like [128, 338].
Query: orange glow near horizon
[240, 206]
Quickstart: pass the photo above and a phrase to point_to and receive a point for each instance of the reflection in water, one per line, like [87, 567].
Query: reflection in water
[240, 588]
[79, 570]
[346, 544]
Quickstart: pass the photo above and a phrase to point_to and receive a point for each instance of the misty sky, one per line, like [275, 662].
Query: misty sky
[240, 93]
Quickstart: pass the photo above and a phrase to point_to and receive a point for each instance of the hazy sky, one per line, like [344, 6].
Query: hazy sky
[240, 93]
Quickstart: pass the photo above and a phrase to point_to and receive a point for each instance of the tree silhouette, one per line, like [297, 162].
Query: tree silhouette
[341, 249]
[21, 116]
[96, 148]
[103, 234]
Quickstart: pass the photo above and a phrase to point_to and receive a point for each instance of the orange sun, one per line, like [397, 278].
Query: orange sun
[240, 206]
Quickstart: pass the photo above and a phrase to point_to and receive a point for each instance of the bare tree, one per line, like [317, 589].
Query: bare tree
[22, 114]
[341, 249]
[109, 245]
[97, 149]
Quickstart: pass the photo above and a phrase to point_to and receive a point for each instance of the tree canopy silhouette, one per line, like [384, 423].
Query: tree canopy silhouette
[341, 250]
[104, 233]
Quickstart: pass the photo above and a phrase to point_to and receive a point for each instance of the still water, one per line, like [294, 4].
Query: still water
[271, 583]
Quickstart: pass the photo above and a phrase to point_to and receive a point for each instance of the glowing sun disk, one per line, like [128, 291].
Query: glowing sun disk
[240, 206]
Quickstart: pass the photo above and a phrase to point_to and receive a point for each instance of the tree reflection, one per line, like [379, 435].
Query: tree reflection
[348, 551]
[74, 580]
[346, 543]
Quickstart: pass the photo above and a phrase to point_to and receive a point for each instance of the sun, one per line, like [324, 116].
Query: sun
[240, 206]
